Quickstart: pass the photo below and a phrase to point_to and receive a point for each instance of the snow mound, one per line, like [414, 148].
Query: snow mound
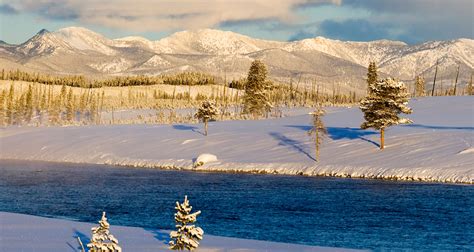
[204, 159]
[467, 151]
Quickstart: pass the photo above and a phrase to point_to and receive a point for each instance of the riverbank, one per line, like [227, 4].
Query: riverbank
[436, 148]
[19, 232]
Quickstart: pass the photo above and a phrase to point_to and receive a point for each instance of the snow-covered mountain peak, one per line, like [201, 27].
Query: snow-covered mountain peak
[44, 42]
[132, 39]
[42, 31]
[211, 50]
[216, 42]
[84, 39]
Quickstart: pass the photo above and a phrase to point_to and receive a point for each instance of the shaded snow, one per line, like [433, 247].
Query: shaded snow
[428, 150]
[20, 232]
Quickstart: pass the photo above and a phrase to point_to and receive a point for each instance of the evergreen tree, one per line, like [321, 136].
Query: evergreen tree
[20, 109]
[54, 111]
[420, 86]
[102, 240]
[256, 100]
[44, 101]
[381, 107]
[63, 96]
[318, 129]
[187, 236]
[93, 109]
[10, 113]
[469, 87]
[3, 97]
[29, 104]
[206, 112]
[371, 76]
[82, 105]
[69, 106]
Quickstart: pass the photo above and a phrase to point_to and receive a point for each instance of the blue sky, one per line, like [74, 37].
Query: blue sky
[411, 21]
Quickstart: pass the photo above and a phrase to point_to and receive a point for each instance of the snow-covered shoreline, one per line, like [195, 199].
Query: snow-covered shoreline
[20, 232]
[436, 148]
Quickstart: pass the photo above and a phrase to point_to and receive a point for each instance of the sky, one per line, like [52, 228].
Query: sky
[411, 21]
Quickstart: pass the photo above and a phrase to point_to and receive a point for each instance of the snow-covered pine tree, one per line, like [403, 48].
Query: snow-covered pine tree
[256, 98]
[419, 86]
[381, 107]
[318, 129]
[371, 76]
[187, 236]
[102, 240]
[206, 112]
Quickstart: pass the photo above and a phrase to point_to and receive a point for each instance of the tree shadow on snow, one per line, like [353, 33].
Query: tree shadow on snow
[84, 238]
[188, 128]
[293, 144]
[436, 127]
[338, 133]
[160, 235]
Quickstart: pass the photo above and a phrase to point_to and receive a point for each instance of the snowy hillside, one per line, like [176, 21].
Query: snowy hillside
[437, 147]
[209, 51]
[39, 234]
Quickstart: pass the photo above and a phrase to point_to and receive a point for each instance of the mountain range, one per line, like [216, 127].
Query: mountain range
[76, 50]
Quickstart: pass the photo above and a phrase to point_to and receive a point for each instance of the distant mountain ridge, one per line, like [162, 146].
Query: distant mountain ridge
[76, 50]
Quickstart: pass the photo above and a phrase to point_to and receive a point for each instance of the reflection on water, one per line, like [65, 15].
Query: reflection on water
[317, 211]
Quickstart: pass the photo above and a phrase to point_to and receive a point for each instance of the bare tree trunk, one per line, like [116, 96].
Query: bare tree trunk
[456, 81]
[434, 81]
[205, 127]
[382, 138]
[470, 87]
[317, 146]
[80, 243]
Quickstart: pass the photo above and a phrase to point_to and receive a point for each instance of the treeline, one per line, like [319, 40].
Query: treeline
[185, 78]
[45, 106]
[189, 78]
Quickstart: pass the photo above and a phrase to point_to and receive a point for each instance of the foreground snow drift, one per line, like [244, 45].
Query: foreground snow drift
[437, 147]
[20, 232]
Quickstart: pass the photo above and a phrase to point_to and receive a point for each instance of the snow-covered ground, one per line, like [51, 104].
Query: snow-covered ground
[26, 233]
[438, 146]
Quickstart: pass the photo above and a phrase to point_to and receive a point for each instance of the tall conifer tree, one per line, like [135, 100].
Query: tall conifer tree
[420, 86]
[371, 76]
[256, 98]
[387, 99]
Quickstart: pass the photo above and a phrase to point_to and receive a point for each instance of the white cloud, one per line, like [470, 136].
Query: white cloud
[162, 15]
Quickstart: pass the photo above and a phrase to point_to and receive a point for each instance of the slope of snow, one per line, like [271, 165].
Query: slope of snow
[44, 42]
[133, 41]
[434, 148]
[156, 60]
[84, 39]
[21, 232]
[115, 66]
[209, 41]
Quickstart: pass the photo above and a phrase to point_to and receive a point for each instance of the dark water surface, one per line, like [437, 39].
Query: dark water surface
[349, 213]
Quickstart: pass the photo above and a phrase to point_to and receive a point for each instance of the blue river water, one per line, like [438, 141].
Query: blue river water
[350, 213]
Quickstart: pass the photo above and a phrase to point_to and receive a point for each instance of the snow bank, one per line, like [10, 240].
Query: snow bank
[436, 147]
[20, 232]
[204, 159]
